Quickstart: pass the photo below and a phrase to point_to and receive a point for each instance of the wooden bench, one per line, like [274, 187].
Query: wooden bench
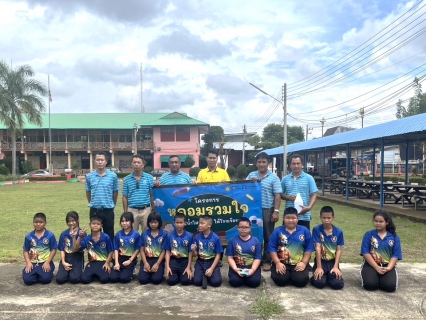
[389, 195]
[419, 201]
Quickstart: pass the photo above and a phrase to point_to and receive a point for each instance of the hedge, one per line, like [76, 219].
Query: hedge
[47, 178]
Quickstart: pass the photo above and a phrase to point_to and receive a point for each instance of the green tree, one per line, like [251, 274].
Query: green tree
[193, 172]
[215, 134]
[273, 136]
[241, 172]
[20, 94]
[231, 171]
[416, 104]
[189, 162]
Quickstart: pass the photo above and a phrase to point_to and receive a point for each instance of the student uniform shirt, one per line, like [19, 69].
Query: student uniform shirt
[153, 246]
[328, 243]
[244, 252]
[208, 247]
[127, 244]
[290, 248]
[382, 250]
[97, 251]
[179, 246]
[66, 241]
[39, 249]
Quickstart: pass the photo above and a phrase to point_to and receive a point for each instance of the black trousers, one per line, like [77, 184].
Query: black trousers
[296, 278]
[268, 227]
[107, 216]
[371, 280]
[74, 275]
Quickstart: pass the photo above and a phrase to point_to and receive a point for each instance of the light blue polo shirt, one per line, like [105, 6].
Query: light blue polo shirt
[305, 185]
[102, 189]
[270, 185]
[138, 192]
[170, 178]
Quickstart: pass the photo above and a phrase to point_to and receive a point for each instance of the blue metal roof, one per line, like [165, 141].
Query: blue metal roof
[393, 132]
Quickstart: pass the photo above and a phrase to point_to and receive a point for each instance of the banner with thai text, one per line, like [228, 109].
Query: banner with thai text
[226, 203]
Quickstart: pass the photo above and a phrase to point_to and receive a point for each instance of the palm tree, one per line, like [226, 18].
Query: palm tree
[19, 95]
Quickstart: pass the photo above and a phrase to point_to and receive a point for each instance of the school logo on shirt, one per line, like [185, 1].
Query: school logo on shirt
[334, 239]
[211, 244]
[103, 245]
[302, 237]
[132, 241]
[45, 241]
[253, 248]
[185, 243]
[160, 240]
[391, 243]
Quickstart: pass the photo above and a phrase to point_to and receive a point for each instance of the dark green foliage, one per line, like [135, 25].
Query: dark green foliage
[416, 104]
[47, 178]
[4, 170]
[231, 171]
[250, 169]
[148, 169]
[273, 136]
[215, 135]
[241, 172]
[122, 175]
[189, 162]
[193, 172]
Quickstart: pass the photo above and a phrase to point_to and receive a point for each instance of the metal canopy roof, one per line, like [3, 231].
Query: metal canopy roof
[393, 132]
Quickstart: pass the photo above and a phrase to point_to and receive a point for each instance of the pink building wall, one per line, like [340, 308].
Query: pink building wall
[191, 147]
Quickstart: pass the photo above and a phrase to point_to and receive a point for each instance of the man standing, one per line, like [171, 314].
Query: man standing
[271, 200]
[299, 182]
[137, 196]
[102, 192]
[212, 173]
[175, 176]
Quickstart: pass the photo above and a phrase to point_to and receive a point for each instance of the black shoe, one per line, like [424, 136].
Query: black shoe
[310, 268]
[204, 285]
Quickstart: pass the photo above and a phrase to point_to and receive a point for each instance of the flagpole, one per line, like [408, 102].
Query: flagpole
[50, 130]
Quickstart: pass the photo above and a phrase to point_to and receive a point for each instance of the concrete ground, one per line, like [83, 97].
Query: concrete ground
[133, 301]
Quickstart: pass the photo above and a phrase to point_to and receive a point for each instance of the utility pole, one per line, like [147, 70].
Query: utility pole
[361, 112]
[244, 144]
[307, 131]
[322, 126]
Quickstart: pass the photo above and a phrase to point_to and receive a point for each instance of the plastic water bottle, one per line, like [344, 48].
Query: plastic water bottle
[298, 202]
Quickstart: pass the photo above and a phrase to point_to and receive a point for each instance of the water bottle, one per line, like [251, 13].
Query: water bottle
[298, 202]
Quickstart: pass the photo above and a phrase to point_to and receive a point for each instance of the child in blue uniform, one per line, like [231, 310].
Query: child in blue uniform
[72, 261]
[381, 249]
[178, 253]
[290, 247]
[152, 252]
[39, 249]
[209, 249]
[328, 240]
[126, 250]
[244, 256]
[99, 252]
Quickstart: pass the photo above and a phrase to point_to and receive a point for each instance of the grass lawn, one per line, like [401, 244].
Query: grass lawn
[19, 203]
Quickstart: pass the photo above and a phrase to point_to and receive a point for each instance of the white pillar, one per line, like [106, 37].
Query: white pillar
[47, 161]
[91, 162]
[69, 161]
[112, 160]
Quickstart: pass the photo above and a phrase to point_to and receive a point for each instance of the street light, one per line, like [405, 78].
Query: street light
[136, 128]
[284, 104]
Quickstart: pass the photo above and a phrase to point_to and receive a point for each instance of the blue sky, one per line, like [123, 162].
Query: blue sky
[199, 56]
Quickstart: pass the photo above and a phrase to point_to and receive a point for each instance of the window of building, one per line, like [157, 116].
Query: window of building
[167, 134]
[183, 133]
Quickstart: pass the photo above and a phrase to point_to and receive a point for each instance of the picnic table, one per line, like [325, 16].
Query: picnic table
[411, 194]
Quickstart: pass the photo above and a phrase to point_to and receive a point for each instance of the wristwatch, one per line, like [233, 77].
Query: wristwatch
[276, 210]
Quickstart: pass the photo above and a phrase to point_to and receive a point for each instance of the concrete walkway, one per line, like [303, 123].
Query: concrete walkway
[133, 301]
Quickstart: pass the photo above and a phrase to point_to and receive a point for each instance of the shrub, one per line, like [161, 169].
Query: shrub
[28, 167]
[241, 172]
[231, 171]
[189, 162]
[47, 178]
[148, 169]
[122, 175]
[250, 169]
[193, 172]
[4, 171]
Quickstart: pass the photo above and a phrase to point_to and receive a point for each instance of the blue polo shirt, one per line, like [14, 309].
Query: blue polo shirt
[179, 246]
[138, 192]
[66, 241]
[290, 247]
[208, 247]
[127, 244]
[382, 250]
[102, 189]
[305, 185]
[170, 178]
[244, 252]
[39, 249]
[328, 243]
[270, 185]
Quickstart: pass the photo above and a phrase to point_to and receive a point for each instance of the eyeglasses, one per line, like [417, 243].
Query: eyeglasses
[244, 228]
[138, 184]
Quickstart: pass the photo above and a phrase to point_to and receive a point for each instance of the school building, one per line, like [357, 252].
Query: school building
[76, 137]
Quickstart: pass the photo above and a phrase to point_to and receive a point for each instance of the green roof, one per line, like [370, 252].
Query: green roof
[112, 120]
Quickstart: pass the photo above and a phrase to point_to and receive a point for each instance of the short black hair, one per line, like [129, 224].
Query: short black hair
[173, 156]
[101, 153]
[127, 216]
[263, 155]
[138, 156]
[96, 218]
[327, 209]
[72, 215]
[294, 156]
[40, 215]
[244, 219]
[290, 210]
[214, 151]
[154, 216]
[180, 216]
[207, 218]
